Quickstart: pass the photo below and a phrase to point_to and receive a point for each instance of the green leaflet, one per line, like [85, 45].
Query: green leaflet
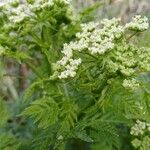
[8, 142]
[82, 135]
[31, 89]
[69, 115]
[44, 111]
[105, 133]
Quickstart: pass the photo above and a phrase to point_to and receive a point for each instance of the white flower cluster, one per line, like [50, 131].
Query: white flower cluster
[138, 23]
[43, 4]
[131, 84]
[40, 4]
[93, 39]
[17, 14]
[102, 38]
[70, 68]
[139, 128]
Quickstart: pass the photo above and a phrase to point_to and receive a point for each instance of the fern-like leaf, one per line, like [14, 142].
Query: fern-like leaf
[8, 142]
[44, 111]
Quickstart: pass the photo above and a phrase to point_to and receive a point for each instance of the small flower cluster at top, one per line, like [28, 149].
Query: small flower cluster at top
[138, 23]
[142, 140]
[106, 39]
[17, 12]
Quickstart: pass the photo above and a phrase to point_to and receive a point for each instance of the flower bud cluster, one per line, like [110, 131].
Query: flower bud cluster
[142, 144]
[18, 14]
[40, 4]
[138, 23]
[140, 128]
[128, 59]
[131, 84]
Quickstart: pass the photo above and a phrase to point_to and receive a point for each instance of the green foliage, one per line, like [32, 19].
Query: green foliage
[44, 111]
[93, 108]
[4, 114]
[8, 142]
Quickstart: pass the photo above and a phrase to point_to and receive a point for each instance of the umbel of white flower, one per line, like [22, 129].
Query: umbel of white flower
[138, 23]
[107, 43]
[17, 12]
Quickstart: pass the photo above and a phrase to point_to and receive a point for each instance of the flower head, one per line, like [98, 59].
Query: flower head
[138, 23]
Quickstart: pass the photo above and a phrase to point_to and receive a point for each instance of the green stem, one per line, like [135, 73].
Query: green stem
[92, 56]
[131, 36]
[65, 90]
